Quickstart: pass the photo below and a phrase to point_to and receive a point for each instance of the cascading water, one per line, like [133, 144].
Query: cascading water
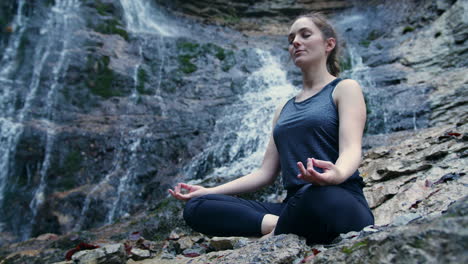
[9, 129]
[241, 135]
[53, 45]
[144, 21]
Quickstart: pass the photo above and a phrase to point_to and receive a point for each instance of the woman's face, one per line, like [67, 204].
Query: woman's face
[306, 43]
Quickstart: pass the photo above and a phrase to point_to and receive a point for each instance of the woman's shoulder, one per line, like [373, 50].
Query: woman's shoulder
[346, 87]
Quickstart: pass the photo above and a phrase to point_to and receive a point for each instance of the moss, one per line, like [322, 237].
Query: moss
[355, 247]
[101, 77]
[345, 63]
[66, 173]
[229, 61]
[408, 29]
[112, 26]
[220, 53]
[188, 47]
[142, 78]
[104, 9]
[186, 65]
[364, 43]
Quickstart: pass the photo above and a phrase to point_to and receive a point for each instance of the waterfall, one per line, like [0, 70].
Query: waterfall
[55, 37]
[9, 129]
[241, 135]
[143, 17]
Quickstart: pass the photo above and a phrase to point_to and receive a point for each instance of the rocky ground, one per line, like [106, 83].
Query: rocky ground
[416, 188]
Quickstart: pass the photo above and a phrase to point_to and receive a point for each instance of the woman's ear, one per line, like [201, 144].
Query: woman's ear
[330, 44]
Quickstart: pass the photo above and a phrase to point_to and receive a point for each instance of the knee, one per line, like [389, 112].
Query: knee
[190, 209]
[190, 213]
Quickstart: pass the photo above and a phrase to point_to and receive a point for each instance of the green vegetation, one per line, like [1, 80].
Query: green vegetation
[112, 26]
[188, 47]
[364, 43]
[66, 173]
[142, 78]
[190, 51]
[408, 29]
[186, 65]
[345, 63]
[355, 247]
[101, 77]
[104, 9]
[373, 35]
[220, 53]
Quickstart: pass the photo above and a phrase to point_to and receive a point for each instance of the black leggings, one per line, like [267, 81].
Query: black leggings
[318, 213]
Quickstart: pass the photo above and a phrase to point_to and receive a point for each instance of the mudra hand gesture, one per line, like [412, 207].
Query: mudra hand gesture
[330, 176]
[193, 191]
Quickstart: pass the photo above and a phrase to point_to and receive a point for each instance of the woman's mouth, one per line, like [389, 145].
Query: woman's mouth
[297, 52]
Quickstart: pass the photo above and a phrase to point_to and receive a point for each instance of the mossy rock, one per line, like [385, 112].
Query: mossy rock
[142, 79]
[407, 29]
[101, 77]
[112, 27]
[186, 65]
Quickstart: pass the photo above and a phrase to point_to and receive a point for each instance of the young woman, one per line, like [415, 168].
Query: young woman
[316, 144]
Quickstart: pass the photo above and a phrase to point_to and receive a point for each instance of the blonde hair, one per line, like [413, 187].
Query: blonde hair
[333, 65]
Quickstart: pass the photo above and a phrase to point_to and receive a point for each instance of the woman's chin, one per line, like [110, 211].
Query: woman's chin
[300, 63]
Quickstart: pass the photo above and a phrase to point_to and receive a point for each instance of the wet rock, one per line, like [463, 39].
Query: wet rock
[140, 254]
[223, 243]
[114, 253]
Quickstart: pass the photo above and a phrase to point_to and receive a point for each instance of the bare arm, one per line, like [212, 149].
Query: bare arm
[352, 119]
[352, 112]
[259, 178]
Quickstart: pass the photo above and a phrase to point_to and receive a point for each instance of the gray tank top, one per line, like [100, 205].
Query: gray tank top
[309, 129]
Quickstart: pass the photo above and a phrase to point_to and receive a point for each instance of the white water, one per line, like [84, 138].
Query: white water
[55, 35]
[249, 120]
[144, 17]
[8, 60]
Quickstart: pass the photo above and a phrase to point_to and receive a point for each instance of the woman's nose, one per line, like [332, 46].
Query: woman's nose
[296, 43]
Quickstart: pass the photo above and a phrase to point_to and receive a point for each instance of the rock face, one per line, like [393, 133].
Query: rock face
[253, 17]
[422, 174]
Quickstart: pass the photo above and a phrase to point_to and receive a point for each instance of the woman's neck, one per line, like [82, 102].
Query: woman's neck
[314, 79]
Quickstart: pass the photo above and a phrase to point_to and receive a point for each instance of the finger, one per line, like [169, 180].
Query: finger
[177, 188]
[186, 186]
[317, 177]
[322, 163]
[301, 168]
[309, 163]
[175, 195]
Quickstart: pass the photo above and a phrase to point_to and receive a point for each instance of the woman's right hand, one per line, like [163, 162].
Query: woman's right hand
[193, 191]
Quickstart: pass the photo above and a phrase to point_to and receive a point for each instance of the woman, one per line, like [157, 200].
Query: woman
[316, 144]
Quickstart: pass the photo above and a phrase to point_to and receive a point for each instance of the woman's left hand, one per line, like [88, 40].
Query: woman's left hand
[330, 176]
